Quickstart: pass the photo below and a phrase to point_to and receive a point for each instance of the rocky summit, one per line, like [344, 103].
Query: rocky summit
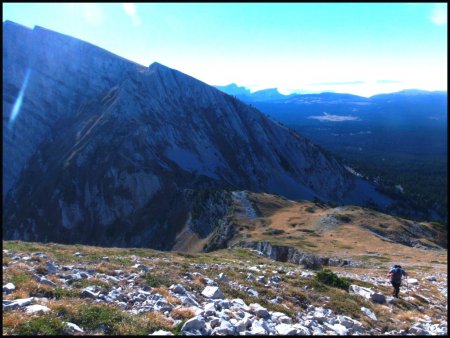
[83, 290]
[100, 150]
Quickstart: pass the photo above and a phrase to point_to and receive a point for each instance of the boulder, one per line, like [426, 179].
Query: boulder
[194, 324]
[213, 292]
[51, 267]
[259, 310]
[162, 333]
[222, 277]
[178, 288]
[225, 329]
[72, 328]
[412, 281]
[88, 293]
[338, 328]
[378, 298]
[46, 281]
[17, 303]
[35, 308]
[9, 287]
[286, 330]
[275, 279]
[359, 290]
[368, 313]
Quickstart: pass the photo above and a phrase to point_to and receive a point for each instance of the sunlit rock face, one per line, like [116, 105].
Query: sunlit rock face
[104, 150]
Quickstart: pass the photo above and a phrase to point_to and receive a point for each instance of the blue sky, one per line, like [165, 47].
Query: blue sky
[364, 48]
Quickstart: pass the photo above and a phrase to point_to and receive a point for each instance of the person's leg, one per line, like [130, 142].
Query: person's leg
[393, 285]
[397, 289]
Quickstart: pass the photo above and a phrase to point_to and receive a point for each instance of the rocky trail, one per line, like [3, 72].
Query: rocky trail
[232, 292]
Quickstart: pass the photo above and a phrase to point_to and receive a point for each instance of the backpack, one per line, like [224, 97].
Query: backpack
[397, 274]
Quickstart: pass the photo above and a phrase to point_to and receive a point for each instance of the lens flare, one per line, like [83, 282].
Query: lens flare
[18, 103]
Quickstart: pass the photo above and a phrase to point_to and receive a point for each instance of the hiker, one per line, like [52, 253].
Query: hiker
[396, 274]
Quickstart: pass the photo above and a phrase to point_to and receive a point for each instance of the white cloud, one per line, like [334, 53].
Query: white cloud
[439, 14]
[130, 10]
[92, 13]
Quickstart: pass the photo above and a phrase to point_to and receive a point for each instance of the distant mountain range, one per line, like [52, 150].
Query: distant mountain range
[244, 94]
[400, 137]
[106, 151]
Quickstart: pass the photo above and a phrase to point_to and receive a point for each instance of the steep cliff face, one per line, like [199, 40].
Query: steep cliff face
[103, 149]
[63, 73]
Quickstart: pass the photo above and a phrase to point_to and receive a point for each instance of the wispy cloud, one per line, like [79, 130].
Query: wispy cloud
[337, 83]
[439, 14]
[388, 81]
[130, 9]
[92, 12]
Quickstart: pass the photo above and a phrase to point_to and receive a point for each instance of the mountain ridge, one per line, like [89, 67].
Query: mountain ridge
[119, 157]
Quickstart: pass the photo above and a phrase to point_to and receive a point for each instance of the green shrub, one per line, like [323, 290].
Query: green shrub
[157, 280]
[343, 218]
[330, 278]
[45, 325]
[310, 209]
[99, 317]
[274, 232]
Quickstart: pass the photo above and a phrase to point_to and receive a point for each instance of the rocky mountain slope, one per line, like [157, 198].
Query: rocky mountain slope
[82, 290]
[110, 152]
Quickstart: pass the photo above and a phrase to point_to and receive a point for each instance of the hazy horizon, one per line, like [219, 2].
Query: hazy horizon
[362, 49]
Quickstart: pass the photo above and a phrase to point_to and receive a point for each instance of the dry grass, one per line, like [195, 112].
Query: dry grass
[161, 290]
[408, 316]
[158, 319]
[12, 320]
[36, 289]
[199, 281]
[173, 300]
[41, 269]
[107, 268]
[182, 313]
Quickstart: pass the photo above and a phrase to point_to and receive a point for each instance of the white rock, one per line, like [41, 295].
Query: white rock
[257, 329]
[89, 293]
[162, 333]
[213, 292]
[259, 310]
[261, 279]
[45, 281]
[280, 317]
[36, 308]
[222, 277]
[359, 290]
[302, 330]
[368, 313]
[8, 288]
[286, 330]
[225, 329]
[51, 267]
[72, 328]
[196, 323]
[412, 281]
[17, 303]
[178, 288]
[338, 328]
[306, 274]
